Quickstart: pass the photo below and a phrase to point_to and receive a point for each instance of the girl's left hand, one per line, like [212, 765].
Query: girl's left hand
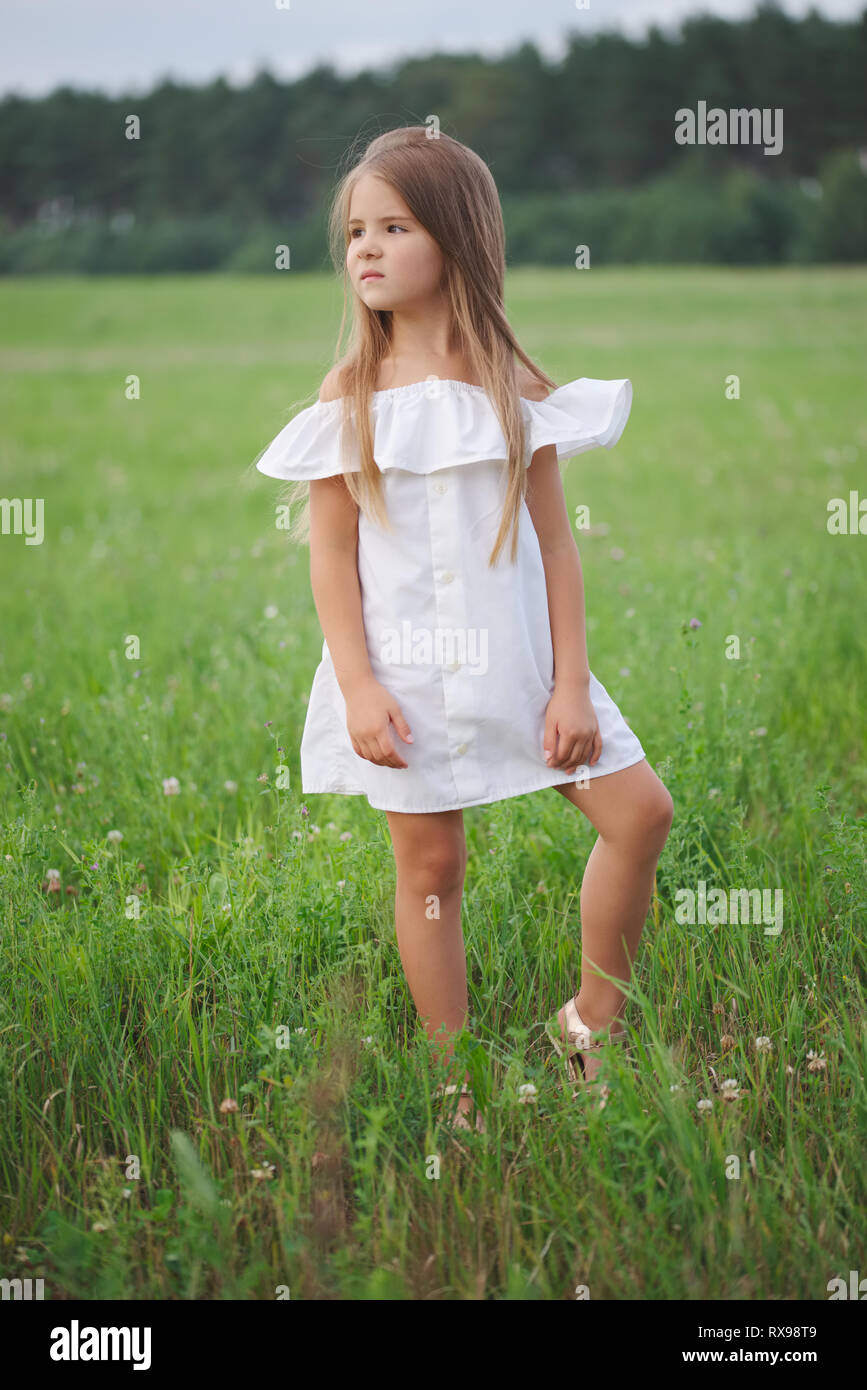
[572, 737]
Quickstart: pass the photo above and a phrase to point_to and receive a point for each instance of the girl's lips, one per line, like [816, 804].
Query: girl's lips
[373, 275]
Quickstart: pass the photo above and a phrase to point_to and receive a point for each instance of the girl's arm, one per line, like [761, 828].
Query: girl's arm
[546, 503]
[334, 568]
[371, 710]
[334, 580]
[571, 736]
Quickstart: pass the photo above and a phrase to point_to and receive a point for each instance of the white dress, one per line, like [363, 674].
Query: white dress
[465, 649]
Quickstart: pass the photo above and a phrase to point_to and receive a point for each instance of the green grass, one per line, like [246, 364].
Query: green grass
[121, 1177]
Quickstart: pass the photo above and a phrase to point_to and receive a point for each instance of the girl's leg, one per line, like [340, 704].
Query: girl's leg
[430, 854]
[632, 810]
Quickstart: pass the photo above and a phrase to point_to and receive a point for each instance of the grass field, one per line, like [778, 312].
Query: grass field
[237, 944]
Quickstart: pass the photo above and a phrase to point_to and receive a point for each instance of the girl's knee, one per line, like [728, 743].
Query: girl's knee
[438, 866]
[644, 829]
[659, 815]
[663, 811]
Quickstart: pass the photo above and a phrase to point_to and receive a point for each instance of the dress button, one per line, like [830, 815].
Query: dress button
[461, 748]
[447, 576]
[454, 666]
[439, 487]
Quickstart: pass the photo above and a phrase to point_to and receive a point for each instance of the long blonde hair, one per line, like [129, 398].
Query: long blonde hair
[452, 193]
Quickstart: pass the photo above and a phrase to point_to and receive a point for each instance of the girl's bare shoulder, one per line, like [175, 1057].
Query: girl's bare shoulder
[530, 388]
[330, 389]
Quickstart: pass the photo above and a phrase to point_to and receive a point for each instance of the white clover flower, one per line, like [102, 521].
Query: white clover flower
[346, 835]
[230, 786]
[266, 1171]
[763, 1044]
[704, 1105]
[816, 1061]
[115, 836]
[527, 1093]
[171, 786]
[271, 611]
[729, 1090]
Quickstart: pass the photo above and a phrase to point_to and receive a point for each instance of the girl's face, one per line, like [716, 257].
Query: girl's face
[385, 238]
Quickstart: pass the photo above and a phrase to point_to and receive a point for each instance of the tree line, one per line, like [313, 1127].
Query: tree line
[588, 150]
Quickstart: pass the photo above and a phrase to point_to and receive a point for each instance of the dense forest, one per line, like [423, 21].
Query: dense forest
[584, 151]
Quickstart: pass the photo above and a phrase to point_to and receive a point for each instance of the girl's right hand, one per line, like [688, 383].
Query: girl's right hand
[370, 710]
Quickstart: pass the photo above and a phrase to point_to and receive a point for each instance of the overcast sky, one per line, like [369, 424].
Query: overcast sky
[126, 46]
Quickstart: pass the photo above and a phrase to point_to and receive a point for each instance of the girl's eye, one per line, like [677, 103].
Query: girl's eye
[388, 229]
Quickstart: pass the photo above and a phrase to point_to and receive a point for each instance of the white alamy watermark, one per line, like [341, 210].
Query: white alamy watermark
[75, 1343]
[857, 1287]
[737, 126]
[14, 521]
[714, 907]
[23, 1289]
[847, 521]
[452, 647]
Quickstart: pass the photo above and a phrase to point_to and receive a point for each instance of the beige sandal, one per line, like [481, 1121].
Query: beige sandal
[576, 1032]
[458, 1120]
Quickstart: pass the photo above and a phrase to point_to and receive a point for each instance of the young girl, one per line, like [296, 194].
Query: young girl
[454, 668]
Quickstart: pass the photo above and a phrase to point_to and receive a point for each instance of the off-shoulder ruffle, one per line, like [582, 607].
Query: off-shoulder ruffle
[584, 414]
[430, 425]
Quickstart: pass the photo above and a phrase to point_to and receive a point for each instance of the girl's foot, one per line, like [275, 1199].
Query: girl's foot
[464, 1115]
[588, 1061]
[461, 1117]
[585, 1062]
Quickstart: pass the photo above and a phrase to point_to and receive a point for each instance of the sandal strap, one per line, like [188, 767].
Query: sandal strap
[450, 1090]
[578, 1032]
